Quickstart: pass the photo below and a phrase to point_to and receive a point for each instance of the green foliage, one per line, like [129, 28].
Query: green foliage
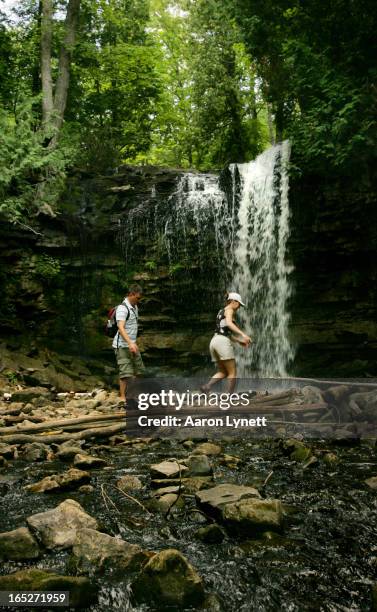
[31, 175]
[150, 265]
[47, 267]
[316, 62]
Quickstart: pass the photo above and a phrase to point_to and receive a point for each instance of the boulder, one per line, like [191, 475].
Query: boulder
[129, 483]
[168, 579]
[18, 545]
[82, 592]
[364, 404]
[168, 469]
[250, 517]
[207, 448]
[97, 551]
[213, 500]
[87, 462]
[72, 479]
[199, 465]
[57, 528]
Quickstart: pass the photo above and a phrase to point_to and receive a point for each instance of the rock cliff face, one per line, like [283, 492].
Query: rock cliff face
[57, 284]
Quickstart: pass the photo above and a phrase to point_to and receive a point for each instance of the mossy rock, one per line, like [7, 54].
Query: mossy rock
[82, 592]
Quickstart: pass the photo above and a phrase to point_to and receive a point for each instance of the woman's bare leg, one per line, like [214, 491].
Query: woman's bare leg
[220, 374]
[229, 366]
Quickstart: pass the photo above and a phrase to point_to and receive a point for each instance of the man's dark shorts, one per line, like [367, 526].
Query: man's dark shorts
[129, 364]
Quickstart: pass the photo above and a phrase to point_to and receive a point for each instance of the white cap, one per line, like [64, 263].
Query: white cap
[236, 297]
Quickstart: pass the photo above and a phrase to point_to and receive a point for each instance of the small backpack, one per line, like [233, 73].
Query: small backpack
[111, 326]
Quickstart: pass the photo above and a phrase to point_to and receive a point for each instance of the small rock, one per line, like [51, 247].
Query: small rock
[129, 483]
[86, 488]
[35, 452]
[26, 395]
[99, 551]
[199, 465]
[87, 462]
[188, 444]
[190, 485]
[57, 528]
[18, 545]
[165, 502]
[212, 534]
[330, 458]
[230, 461]
[207, 448]
[167, 469]
[7, 451]
[67, 453]
[82, 592]
[252, 516]
[67, 481]
[168, 579]
[213, 500]
[312, 395]
[371, 482]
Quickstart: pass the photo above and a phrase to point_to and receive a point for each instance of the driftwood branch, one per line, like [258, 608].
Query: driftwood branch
[95, 432]
[61, 423]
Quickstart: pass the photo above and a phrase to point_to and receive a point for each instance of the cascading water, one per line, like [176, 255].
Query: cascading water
[261, 271]
[241, 232]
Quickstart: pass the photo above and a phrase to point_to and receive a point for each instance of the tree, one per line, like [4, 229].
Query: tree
[54, 103]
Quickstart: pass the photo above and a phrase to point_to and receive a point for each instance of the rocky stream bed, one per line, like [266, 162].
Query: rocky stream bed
[156, 524]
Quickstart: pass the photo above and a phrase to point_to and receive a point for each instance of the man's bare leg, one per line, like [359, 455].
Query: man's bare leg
[122, 389]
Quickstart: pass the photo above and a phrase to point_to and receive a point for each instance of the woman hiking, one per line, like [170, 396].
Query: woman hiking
[221, 345]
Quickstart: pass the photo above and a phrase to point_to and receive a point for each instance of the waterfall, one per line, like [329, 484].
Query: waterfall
[235, 228]
[261, 271]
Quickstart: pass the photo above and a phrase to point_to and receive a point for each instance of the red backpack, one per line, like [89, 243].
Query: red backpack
[111, 326]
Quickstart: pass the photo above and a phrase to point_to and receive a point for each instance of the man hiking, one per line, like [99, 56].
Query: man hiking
[127, 353]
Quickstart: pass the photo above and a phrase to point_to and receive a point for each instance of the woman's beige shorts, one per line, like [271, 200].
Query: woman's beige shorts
[221, 348]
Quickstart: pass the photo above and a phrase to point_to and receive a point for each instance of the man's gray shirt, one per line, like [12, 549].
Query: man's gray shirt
[131, 323]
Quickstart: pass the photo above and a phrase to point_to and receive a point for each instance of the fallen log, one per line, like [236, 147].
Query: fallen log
[94, 432]
[22, 417]
[103, 423]
[274, 397]
[61, 423]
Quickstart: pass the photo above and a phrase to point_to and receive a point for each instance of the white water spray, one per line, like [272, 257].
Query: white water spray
[260, 262]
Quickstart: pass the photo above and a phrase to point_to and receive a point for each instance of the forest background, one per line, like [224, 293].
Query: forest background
[197, 84]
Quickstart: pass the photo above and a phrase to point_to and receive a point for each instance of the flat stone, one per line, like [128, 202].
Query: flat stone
[371, 482]
[72, 479]
[168, 579]
[82, 592]
[87, 462]
[86, 488]
[99, 551]
[18, 545]
[214, 499]
[190, 485]
[165, 490]
[207, 448]
[167, 469]
[129, 483]
[57, 528]
[252, 516]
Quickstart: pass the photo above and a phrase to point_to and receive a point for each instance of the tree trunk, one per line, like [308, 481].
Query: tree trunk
[46, 77]
[62, 83]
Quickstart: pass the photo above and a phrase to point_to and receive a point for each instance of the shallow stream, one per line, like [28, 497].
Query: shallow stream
[326, 558]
